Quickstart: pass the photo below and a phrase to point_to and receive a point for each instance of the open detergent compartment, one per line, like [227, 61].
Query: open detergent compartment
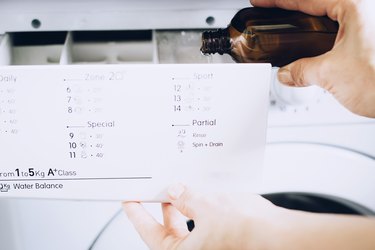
[108, 47]
[83, 47]
[104, 47]
[40, 48]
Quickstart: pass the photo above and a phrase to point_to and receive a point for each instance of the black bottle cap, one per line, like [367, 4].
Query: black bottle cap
[216, 42]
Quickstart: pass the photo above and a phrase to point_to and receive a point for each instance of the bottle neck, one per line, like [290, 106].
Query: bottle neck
[216, 42]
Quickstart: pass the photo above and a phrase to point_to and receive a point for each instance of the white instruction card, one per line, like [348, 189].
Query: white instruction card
[126, 132]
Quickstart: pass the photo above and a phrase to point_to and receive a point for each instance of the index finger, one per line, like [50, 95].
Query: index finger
[312, 7]
[148, 228]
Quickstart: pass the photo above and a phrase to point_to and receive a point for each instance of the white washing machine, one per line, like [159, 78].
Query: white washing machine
[319, 157]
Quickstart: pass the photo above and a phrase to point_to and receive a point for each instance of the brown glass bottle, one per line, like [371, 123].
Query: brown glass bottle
[270, 35]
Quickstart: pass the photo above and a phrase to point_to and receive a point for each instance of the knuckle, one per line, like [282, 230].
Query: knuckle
[323, 71]
[298, 75]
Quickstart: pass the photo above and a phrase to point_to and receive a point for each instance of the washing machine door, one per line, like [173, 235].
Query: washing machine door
[309, 177]
[320, 169]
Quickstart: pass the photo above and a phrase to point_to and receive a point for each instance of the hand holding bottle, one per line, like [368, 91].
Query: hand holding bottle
[348, 70]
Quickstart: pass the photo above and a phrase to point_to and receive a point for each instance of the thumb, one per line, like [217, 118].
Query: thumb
[184, 200]
[305, 72]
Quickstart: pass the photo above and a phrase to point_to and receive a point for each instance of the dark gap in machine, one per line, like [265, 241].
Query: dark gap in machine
[38, 38]
[118, 35]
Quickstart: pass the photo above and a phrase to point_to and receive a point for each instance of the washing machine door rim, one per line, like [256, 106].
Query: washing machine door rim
[319, 168]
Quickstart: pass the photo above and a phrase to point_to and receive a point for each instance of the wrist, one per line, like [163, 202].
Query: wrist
[272, 231]
[284, 230]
